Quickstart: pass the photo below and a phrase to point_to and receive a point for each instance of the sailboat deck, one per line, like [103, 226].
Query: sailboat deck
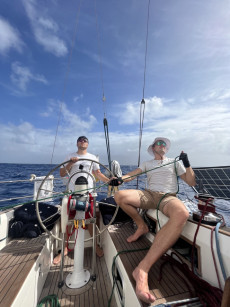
[93, 294]
[97, 293]
[16, 261]
[170, 287]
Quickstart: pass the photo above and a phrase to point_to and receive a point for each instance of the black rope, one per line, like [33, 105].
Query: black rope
[106, 129]
[142, 113]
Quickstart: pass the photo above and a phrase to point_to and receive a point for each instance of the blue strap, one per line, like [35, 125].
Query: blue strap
[218, 250]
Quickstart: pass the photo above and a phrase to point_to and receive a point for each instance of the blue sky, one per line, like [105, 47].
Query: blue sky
[187, 80]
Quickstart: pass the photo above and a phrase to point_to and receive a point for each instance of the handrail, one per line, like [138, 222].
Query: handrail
[28, 180]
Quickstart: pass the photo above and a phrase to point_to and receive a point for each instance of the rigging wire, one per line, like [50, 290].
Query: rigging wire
[105, 121]
[66, 78]
[142, 106]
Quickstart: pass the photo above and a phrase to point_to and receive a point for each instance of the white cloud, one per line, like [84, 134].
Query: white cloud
[77, 98]
[130, 111]
[45, 29]
[199, 126]
[70, 121]
[9, 37]
[21, 76]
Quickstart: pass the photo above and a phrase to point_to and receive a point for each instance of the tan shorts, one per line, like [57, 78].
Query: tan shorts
[150, 199]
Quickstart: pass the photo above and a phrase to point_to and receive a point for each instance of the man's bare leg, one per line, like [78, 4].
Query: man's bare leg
[57, 259]
[99, 250]
[142, 288]
[163, 240]
[129, 201]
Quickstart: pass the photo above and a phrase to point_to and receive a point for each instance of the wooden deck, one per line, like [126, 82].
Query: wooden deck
[18, 257]
[16, 261]
[94, 294]
[170, 288]
[97, 294]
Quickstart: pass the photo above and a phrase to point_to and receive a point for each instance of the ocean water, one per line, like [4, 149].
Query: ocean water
[17, 173]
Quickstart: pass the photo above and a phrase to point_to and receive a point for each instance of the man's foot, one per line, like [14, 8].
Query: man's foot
[141, 230]
[99, 251]
[142, 288]
[57, 259]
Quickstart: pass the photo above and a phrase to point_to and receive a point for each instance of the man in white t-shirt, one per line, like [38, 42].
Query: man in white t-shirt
[75, 165]
[161, 194]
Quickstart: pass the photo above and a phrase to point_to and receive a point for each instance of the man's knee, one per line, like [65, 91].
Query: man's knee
[116, 196]
[125, 197]
[183, 216]
[177, 211]
[119, 197]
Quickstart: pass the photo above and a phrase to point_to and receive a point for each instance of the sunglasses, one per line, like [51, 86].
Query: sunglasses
[83, 140]
[159, 143]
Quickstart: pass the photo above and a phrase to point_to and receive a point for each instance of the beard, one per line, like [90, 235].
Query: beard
[160, 151]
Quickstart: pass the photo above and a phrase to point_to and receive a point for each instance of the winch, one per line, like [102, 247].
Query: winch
[80, 198]
[207, 212]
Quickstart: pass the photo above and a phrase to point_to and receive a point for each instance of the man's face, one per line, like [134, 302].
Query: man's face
[82, 143]
[159, 147]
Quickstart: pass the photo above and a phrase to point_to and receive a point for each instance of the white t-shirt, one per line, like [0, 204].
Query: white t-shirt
[87, 166]
[162, 179]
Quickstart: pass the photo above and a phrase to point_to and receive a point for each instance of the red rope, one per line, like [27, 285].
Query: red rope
[198, 227]
[208, 295]
[67, 230]
[194, 240]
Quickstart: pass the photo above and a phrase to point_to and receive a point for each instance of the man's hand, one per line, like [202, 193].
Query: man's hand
[74, 159]
[184, 158]
[114, 182]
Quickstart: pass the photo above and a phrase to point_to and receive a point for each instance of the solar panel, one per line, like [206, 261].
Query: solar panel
[215, 180]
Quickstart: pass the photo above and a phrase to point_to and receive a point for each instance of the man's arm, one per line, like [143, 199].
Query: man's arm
[189, 177]
[67, 168]
[131, 175]
[97, 173]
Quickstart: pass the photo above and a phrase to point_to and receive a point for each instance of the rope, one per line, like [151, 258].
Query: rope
[52, 300]
[214, 259]
[216, 228]
[106, 129]
[83, 190]
[105, 122]
[208, 295]
[142, 106]
[66, 78]
[194, 240]
[146, 48]
[99, 54]
[218, 250]
[142, 113]
[113, 268]
[158, 205]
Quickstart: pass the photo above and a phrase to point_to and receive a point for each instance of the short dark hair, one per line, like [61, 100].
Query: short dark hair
[82, 137]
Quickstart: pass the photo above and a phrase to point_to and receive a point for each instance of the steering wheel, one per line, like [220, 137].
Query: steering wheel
[57, 191]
